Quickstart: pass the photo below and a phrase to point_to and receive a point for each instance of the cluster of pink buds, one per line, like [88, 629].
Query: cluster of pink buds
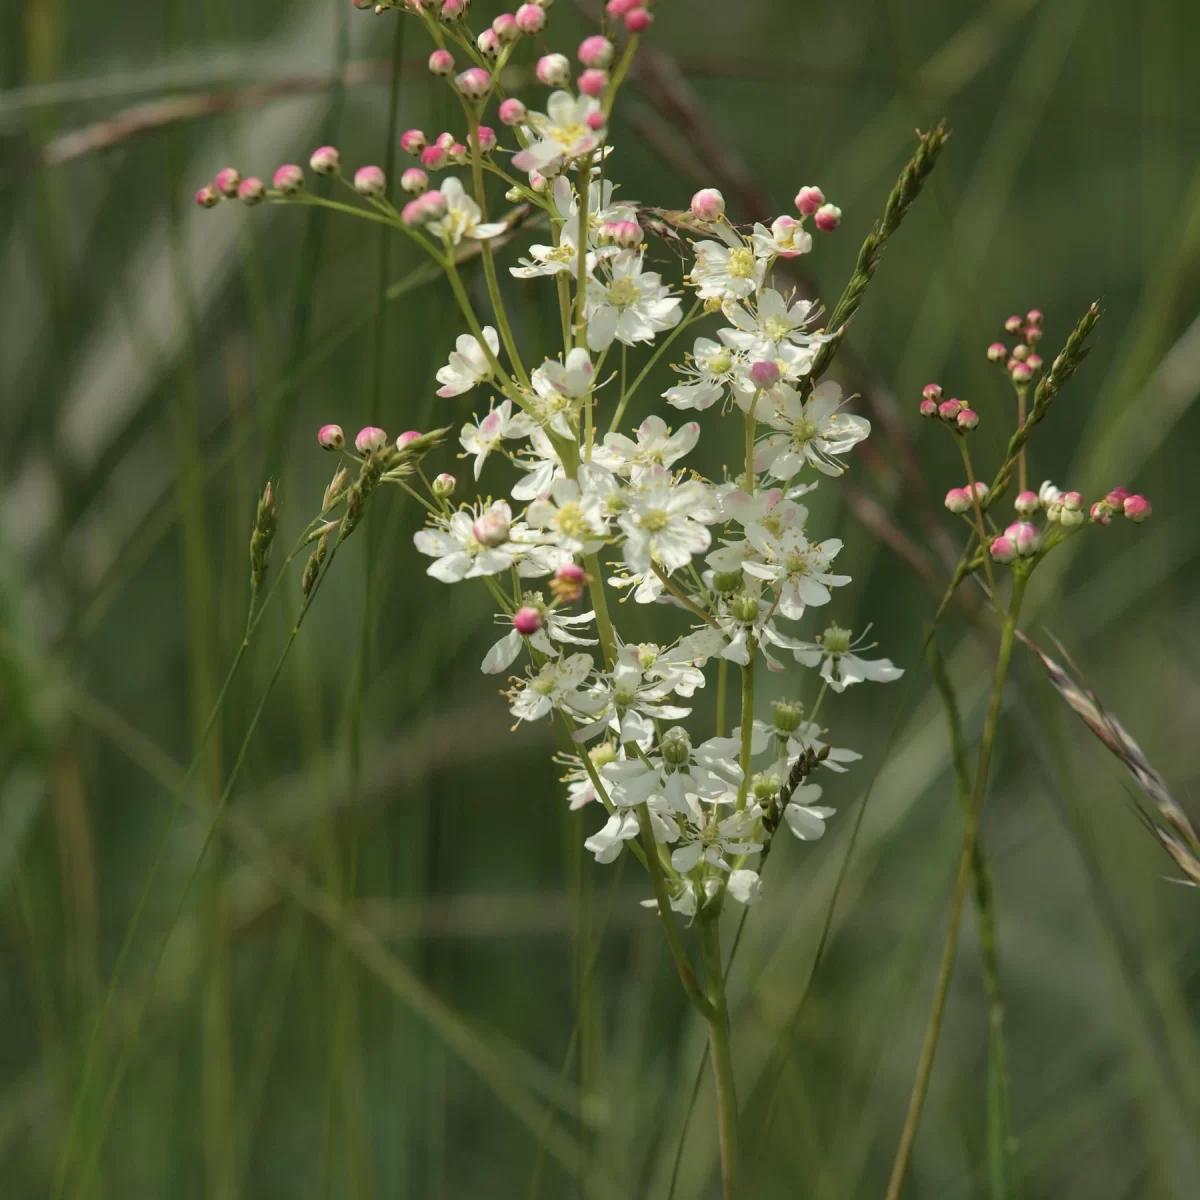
[959, 499]
[956, 413]
[369, 440]
[810, 202]
[1120, 502]
[1022, 361]
[428, 206]
[635, 13]
[288, 180]
[230, 184]
[1022, 539]
[445, 150]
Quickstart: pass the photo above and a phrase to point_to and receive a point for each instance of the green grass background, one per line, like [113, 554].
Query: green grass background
[158, 363]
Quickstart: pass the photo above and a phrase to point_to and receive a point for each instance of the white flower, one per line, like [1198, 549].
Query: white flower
[469, 364]
[709, 774]
[629, 700]
[618, 829]
[745, 886]
[804, 738]
[562, 133]
[656, 445]
[661, 522]
[796, 567]
[712, 368]
[805, 818]
[840, 666]
[726, 272]
[786, 238]
[774, 330]
[550, 260]
[542, 463]
[632, 306]
[557, 628]
[555, 685]
[480, 440]
[462, 216]
[460, 553]
[572, 379]
[713, 839]
[814, 432]
[571, 518]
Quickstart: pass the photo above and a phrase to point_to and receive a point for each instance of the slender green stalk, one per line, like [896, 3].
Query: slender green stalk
[1001, 1144]
[468, 311]
[747, 722]
[722, 1058]
[581, 237]
[941, 992]
[627, 394]
[722, 689]
[977, 509]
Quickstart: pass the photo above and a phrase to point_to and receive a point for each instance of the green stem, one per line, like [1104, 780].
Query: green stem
[977, 507]
[468, 311]
[722, 1059]
[747, 722]
[925, 1065]
[581, 233]
[627, 394]
[722, 689]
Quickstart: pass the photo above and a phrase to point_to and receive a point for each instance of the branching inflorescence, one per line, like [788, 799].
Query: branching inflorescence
[601, 504]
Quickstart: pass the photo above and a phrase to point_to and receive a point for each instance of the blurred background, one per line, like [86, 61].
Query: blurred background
[396, 960]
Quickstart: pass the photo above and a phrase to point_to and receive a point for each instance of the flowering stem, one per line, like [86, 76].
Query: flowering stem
[674, 939]
[464, 302]
[747, 721]
[722, 1059]
[682, 597]
[581, 233]
[722, 687]
[977, 505]
[489, 263]
[1022, 474]
[962, 880]
[618, 76]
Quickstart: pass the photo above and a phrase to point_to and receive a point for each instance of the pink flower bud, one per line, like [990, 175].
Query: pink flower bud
[413, 213]
[708, 205]
[434, 157]
[1136, 508]
[512, 111]
[289, 179]
[932, 391]
[251, 190]
[370, 181]
[227, 181]
[828, 217]
[527, 621]
[208, 196]
[638, 20]
[445, 140]
[412, 141]
[1020, 372]
[1020, 352]
[474, 83]
[592, 82]
[458, 153]
[325, 160]
[505, 27]
[453, 9]
[621, 233]
[618, 8]
[531, 18]
[1025, 536]
[981, 490]
[1034, 316]
[1003, 550]
[1072, 501]
[370, 439]
[997, 352]
[595, 120]
[1034, 362]
[967, 419]
[958, 500]
[407, 438]
[1027, 503]
[764, 373]
[1116, 498]
[1100, 513]
[809, 199]
[488, 43]
[414, 181]
[1032, 334]
[596, 51]
[1014, 325]
[486, 139]
[928, 408]
[441, 62]
[491, 528]
[553, 70]
[443, 485]
[948, 410]
[331, 437]
[568, 583]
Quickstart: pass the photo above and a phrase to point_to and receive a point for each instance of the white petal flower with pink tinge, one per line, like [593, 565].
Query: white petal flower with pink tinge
[630, 306]
[656, 445]
[726, 272]
[662, 521]
[814, 432]
[480, 440]
[469, 363]
[462, 216]
[712, 369]
[568, 129]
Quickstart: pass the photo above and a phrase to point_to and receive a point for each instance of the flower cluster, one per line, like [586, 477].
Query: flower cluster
[606, 509]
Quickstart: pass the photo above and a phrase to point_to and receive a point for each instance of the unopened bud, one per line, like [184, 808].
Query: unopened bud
[808, 200]
[621, 233]
[827, 218]
[1034, 316]
[958, 500]
[553, 70]
[1116, 497]
[413, 141]
[512, 111]
[326, 160]
[531, 18]
[595, 51]
[1136, 508]
[676, 746]
[1025, 536]
[1034, 362]
[568, 583]
[505, 27]
[1026, 503]
[708, 204]
[928, 408]
[370, 440]
[488, 43]
[932, 391]
[370, 181]
[331, 437]
[1021, 372]
[1032, 334]
[527, 621]
[1003, 550]
[485, 135]
[997, 352]
[1100, 513]
[226, 182]
[593, 82]
[638, 20]
[764, 373]
[474, 83]
[948, 410]
[1014, 325]
[289, 179]
[441, 62]
[967, 419]
[745, 608]
[251, 190]
[443, 485]
[1020, 352]
[491, 528]
[435, 157]
[414, 181]
[208, 196]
